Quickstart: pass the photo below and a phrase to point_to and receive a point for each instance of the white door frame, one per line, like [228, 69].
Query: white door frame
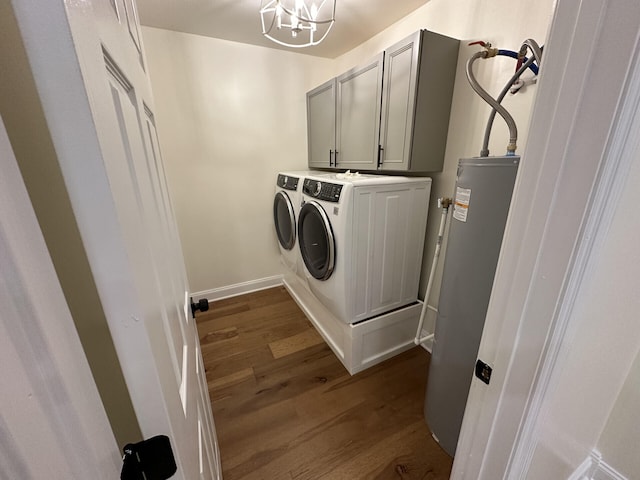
[571, 160]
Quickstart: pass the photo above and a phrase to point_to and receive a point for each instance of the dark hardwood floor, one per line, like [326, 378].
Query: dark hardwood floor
[285, 407]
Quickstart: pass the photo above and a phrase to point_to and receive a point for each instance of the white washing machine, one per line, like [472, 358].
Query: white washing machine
[286, 205]
[361, 239]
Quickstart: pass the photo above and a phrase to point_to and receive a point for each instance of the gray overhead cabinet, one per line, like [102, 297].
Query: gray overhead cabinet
[358, 94]
[321, 125]
[389, 114]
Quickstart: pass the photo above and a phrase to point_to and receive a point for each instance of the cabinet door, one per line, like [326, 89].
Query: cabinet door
[321, 124]
[401, 62]
[419, 75]
[358, 116]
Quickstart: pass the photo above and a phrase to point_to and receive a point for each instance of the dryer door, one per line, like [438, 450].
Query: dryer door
[317, 243]
[284, 220]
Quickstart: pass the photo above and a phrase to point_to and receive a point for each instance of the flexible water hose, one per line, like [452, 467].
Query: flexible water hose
[487, 132]
[535, 49]
[513, 130]
[512, 54]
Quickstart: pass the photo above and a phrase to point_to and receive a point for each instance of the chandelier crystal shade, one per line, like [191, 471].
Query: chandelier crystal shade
[297, 23]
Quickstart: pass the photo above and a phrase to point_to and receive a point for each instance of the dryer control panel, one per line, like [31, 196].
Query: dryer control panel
[329, 192]
[288, 183]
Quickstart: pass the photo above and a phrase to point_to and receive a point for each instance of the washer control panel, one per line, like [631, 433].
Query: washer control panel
[329, 192]
[288, 183]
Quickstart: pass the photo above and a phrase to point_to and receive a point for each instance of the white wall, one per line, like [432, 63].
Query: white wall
[227, 111]
[229, 116]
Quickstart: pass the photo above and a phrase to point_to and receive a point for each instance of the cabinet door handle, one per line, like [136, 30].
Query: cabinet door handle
[380, 150]
[335, 158]
[330, 156]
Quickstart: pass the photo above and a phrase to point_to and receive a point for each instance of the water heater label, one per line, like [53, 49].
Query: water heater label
[461, 205]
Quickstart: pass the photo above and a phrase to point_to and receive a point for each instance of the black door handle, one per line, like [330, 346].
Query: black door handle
[202, 305]
[151, 459]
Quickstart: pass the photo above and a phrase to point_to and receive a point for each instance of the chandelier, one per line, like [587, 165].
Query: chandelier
[297, 23]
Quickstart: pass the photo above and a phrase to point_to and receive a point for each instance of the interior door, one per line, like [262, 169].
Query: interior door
[52, 424]
[97, 99]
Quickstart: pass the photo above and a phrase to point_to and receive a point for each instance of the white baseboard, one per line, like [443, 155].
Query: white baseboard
[238, 289]
[595, 468]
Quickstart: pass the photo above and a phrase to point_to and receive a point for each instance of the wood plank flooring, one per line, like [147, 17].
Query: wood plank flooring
[285, 407]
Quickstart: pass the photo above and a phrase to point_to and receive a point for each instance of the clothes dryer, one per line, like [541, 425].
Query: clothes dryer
[361, 239]
[286, 205]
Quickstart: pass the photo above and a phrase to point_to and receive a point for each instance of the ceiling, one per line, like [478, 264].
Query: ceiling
[239, 21]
